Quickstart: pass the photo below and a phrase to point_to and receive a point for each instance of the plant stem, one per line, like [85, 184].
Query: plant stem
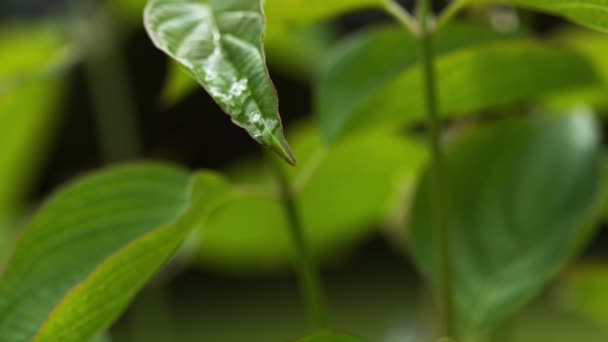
[308, 273]
[105, 72]
[439, 180]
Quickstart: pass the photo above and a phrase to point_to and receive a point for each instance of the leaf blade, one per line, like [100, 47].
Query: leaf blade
[514, 223]
[220, 43]
[84, 242]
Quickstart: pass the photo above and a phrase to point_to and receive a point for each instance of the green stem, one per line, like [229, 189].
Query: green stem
[308, 273]
[439, 180]
[450, 12]
[402, 16]
[105, 72]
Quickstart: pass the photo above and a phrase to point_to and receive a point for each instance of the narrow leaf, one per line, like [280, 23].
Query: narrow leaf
[93, 245]
[32, 54]
[523, 196]
[220, 43]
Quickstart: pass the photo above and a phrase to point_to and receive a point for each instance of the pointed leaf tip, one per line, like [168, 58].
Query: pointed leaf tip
[220, 43]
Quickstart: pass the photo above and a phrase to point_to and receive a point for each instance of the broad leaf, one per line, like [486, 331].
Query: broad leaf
[329, 336]
[32, 56]
[220, 43]
[89, 249]
[384, 86]
[339, 207]
[590, 13]
[522, 196]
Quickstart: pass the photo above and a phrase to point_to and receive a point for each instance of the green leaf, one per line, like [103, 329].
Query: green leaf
[590, 13]
[220, 43]
[339, 207]
[297, 52]
[290, 13]
[522, 196]
[593, 46]
[89, 249]
[32, 56]
[584, 291]
[329, 336]
[374, 81]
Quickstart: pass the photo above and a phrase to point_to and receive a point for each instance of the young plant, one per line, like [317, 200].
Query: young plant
[504, 205]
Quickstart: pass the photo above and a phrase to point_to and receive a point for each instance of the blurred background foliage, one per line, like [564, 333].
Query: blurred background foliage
[81, 86]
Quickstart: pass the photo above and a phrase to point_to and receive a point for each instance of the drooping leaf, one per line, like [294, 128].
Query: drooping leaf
[220, 43]
[339, 207]
[329, 336]
[590, 13]
[32, 56]
[584, 291]
[374, 81]
[522, 196]
[297, 52]
[90, 248]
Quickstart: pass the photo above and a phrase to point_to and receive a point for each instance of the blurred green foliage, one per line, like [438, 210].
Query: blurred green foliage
[524, 193]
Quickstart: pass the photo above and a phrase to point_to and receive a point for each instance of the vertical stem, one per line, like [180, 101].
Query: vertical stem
[308, 273]
[105, 72]
[439, 180]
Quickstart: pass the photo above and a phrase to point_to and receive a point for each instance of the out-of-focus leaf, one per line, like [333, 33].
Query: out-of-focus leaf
[584, 290]
[343, 192]
[363, 88]
[593, 46]
[590, 13]
[283, 14]
[329, 336]
[522, 196]
[31, 55]
[359, 68]
[89, 249]
[220, 43]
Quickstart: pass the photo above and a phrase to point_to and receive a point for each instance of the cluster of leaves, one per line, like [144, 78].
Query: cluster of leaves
[525, 194]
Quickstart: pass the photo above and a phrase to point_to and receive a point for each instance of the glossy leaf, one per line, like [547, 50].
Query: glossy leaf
[523, 196]
[220, 43]
[31, 58]
[90, 248]
[329, 336]
[296, 52]
[384, 81]
[590, 13]
[339, 207]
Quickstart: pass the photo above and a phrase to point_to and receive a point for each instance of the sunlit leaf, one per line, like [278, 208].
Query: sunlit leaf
[339, 207]
[89, 249]
[584, 290]
[524, 195]
[219, 42]
[328, 336]
[374, 79]
[32, 56]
